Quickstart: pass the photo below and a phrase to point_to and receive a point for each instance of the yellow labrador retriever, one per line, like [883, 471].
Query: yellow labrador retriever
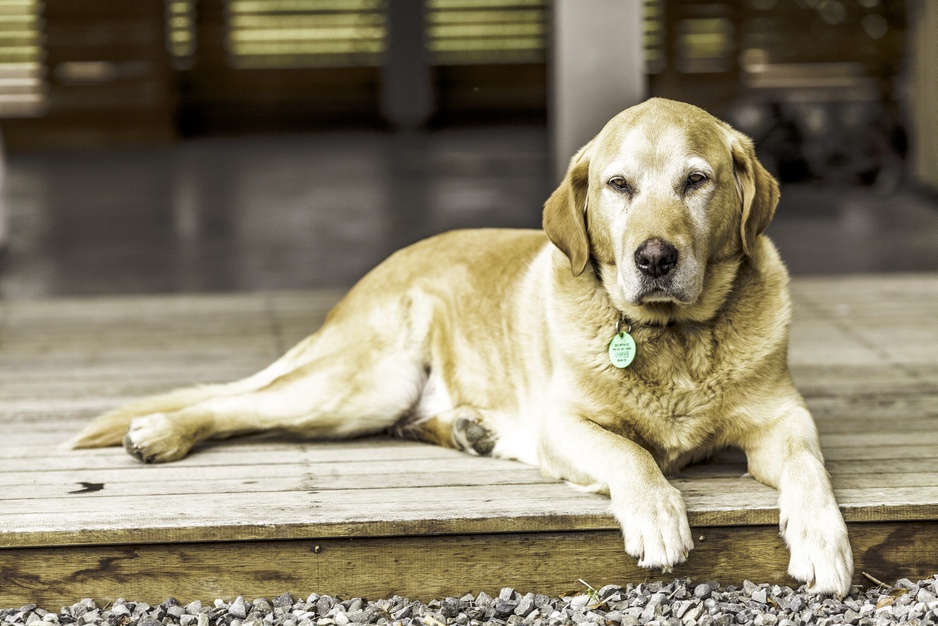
[644, 328]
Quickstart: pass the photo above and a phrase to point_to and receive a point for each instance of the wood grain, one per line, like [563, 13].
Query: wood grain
[423, 568]
[389, 516]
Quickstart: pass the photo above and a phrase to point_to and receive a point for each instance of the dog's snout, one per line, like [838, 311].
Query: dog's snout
[656, 258]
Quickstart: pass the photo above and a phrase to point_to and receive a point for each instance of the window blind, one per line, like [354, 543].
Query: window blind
[181, 32]
[486, 31]
[22, 72]
[305, 33]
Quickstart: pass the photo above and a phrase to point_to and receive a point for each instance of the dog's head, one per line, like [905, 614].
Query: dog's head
[666, 200]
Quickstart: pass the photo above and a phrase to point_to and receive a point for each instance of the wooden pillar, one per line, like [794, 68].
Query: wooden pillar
[597, 70]
[923, 91]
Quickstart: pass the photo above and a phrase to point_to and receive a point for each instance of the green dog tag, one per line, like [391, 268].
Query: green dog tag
[622, 350]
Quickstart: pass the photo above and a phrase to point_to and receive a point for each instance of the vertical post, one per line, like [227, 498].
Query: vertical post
[4, 213]
[597, 70]
[406, 92]
[923, 91]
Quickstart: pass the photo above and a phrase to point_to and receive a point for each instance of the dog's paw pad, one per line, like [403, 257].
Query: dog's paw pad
[472, 437]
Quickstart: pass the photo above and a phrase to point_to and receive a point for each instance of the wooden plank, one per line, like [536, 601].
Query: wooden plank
[280, 479]
[423, 568]
[398, 511]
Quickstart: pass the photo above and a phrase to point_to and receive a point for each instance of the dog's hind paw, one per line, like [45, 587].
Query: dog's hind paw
[470, 436]
[156, 439]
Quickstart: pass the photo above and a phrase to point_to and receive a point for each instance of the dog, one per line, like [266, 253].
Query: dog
[645, 327]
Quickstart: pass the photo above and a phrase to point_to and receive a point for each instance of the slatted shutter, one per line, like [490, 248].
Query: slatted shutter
[486, 31]
[22, 70]
[181, 35]
[305, 33]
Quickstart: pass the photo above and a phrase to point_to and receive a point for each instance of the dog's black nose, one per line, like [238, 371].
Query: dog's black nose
[656, 258]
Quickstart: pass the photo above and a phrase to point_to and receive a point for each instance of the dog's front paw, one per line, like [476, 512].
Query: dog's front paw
[156, 439]
[654, 526]
[820, 549]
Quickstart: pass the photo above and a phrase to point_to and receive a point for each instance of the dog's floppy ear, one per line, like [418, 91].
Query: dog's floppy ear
[758, 190]
[565, 212]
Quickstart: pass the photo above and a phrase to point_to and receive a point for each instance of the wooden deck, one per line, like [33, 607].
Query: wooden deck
[376, 517]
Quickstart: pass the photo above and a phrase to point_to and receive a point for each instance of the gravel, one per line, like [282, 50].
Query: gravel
[679, 603]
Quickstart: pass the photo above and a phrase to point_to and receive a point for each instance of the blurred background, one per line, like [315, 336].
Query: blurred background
[212, 145]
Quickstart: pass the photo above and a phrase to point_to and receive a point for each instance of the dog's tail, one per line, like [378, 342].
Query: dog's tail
[109, 428]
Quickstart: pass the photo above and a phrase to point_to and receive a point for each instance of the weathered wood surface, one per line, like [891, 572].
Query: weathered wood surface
[864, 352]
[424, 568]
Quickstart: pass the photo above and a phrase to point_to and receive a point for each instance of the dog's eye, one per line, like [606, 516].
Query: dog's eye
[695, 180]
[620, 184]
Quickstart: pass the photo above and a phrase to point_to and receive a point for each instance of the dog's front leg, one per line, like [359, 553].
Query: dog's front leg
[651, 512]
[787, 455]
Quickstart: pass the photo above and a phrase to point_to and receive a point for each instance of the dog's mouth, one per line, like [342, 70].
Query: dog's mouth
[661, 294]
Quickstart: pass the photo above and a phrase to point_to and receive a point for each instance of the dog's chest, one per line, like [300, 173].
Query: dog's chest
[673, 398]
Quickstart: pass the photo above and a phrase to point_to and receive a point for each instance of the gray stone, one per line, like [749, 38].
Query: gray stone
[651, 611]
[449, 607]
[702, 591]
[505, 606]
[188, 620]
[796, 604]
[484, 600]
[506, 593]
[679, 608]
[283, 601]
[580, 600]
[403, 613]
[238, 609]
[693, 613]
[608, 590]
[760, 596]
[194, 608]
[525, 606]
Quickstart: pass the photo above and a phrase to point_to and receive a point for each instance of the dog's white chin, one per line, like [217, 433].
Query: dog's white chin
[660, 297]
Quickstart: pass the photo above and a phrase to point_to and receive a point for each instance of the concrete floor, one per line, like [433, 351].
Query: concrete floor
[312, 211]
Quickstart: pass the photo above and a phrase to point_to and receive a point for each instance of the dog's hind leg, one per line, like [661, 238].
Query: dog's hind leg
[460, 428]
[109, 429]
[328, 398]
